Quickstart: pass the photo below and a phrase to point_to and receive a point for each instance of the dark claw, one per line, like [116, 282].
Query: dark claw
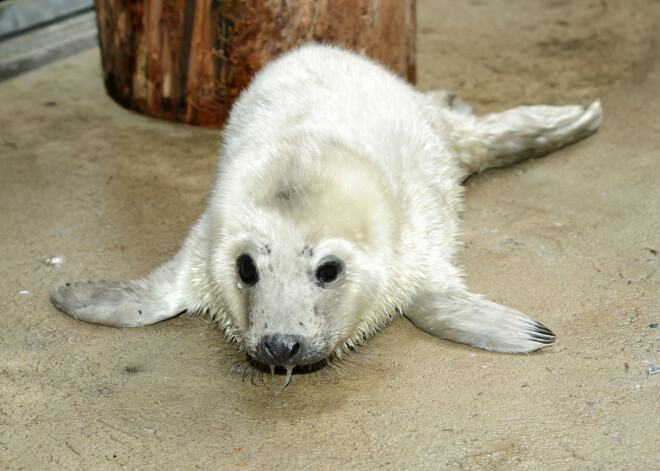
[547, 339]
[540, 328]
[545, 331]
[542, 334]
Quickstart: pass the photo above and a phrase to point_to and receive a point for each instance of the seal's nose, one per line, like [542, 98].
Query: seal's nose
[280, 349]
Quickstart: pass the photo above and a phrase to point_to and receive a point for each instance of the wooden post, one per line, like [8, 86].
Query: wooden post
[187, 60]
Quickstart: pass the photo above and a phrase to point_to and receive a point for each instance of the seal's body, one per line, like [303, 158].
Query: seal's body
[335, 209]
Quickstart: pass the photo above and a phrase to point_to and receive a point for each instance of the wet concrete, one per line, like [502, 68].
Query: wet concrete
[91, 191]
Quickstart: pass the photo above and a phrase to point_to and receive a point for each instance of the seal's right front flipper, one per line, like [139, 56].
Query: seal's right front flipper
[122, 304]
[167, 292]
[470, 319]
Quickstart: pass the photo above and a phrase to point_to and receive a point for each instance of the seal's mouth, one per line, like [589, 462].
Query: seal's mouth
[277, 352]
[291, 355]
[286, 370]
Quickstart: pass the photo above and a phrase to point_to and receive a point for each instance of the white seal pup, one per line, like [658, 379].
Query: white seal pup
[333, 211]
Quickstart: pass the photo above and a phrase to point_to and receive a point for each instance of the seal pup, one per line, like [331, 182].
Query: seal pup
[334, 210]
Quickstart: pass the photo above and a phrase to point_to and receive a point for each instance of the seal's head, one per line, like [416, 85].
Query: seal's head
[302, 252]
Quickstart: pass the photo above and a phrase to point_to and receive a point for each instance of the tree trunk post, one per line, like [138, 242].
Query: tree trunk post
[188, 60]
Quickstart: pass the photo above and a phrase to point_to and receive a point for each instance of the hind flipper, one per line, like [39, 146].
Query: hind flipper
[449, 100]
[470, 319]
[502, 139]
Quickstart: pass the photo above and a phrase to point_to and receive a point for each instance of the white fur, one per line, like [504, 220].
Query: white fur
[326, 154]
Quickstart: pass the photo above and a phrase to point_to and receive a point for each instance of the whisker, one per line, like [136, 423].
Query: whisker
[264, 245]
[320, 228]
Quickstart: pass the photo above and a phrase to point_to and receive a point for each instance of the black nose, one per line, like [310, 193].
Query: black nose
[282, 349]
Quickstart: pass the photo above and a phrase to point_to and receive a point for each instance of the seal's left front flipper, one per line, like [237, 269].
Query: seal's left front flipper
[470, 319]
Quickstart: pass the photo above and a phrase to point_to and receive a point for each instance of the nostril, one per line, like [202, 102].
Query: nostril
[281, 349]
[293, 349]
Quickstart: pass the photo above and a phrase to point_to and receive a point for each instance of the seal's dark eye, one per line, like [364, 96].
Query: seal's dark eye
[327, 272]
[247, 270]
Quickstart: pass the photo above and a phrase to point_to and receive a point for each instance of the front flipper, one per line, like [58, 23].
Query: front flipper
[167, 292]
[470, 319]
[113, 303]
[119, 303]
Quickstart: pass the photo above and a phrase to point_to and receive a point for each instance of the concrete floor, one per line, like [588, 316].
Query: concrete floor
[91, 191]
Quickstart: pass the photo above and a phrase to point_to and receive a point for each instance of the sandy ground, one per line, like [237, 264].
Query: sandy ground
[571, 239]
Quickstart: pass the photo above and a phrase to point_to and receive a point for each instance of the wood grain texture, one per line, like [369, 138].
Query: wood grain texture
[188, 60]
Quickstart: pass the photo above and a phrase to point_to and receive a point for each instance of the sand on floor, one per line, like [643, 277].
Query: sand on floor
[91, 191]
